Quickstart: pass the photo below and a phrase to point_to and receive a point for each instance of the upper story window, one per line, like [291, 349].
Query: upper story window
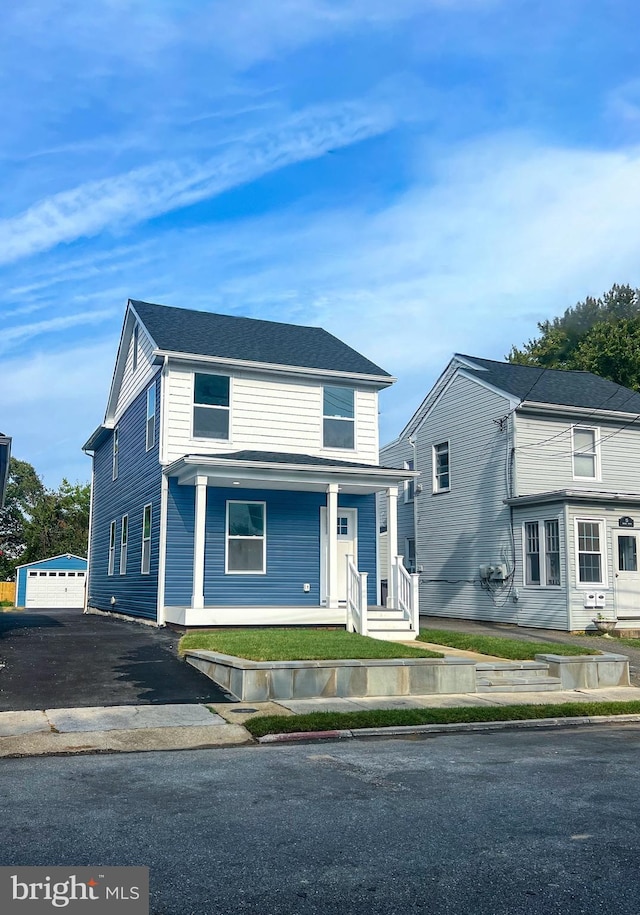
[441, 475]
[134, 345]
[338, 417]
[151, 416]
[410, 485]
[211, 406]
[585, 453]
[116, 448]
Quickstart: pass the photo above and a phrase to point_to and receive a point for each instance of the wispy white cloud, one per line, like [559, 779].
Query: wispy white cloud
[164, 186]
[20, 332]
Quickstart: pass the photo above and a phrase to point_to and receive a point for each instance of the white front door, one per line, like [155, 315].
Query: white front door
[347, 534]
[626, 550]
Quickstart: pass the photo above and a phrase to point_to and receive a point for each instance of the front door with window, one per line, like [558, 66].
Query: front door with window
[626, 549]
[347, 533]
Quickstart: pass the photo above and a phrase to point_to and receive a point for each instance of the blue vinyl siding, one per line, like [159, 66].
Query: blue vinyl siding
[138, 483]
[60, 563]
[293, 547]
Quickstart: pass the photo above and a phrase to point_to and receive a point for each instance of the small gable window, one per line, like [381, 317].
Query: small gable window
[211, 406]
[151, 416]
[441, 475]
[338, 417]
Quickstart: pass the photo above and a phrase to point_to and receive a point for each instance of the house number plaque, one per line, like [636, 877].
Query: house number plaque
[626, 522]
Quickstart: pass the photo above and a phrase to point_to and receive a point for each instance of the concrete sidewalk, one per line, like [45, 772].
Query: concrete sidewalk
[139, 728]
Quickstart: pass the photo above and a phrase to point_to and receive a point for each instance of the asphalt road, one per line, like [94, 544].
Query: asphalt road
[67, 659]
[512, 823]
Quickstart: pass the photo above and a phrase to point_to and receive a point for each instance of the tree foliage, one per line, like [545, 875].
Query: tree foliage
[37, 522]
[598, 335]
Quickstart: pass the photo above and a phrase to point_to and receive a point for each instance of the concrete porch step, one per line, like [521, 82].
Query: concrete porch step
[381, 613]
[396, 623]
[518, 685]
[392, 635]
[508, 670]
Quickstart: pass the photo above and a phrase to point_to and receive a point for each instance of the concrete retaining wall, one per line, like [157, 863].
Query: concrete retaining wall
[255, 681]
[588, 671]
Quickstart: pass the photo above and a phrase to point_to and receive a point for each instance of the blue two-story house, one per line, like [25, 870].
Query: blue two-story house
[235, 478]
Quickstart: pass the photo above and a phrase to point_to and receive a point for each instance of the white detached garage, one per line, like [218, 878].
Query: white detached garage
[51, 583]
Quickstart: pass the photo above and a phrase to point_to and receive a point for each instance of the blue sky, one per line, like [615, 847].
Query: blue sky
[418, 177]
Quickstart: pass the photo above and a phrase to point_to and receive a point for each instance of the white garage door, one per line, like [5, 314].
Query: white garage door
[54, 589]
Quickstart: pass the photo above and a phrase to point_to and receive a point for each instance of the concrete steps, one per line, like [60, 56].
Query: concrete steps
[516, 677]
[388, 625]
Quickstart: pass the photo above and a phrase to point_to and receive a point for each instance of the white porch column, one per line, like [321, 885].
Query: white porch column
[392, 542]
[332, 545]
[197, 599]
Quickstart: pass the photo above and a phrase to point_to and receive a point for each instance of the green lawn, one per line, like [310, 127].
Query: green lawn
[297, 645]
[329, 721]
[511, 649]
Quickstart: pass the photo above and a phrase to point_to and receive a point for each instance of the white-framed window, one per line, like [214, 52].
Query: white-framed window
[410, 485]
[112, 548]
[134, 361]
[590, 553]
[586, 453]
[246, 541]
[441, 471]
[338, 417]
[116, 448]
[151, 415]
[145, 565]
[541, 541]
[410, 554]
[211, 405]
[124, 540]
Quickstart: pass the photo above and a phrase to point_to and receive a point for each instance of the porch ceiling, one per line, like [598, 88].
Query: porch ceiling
[303, 473]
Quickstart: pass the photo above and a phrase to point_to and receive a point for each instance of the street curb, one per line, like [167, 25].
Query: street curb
[455, 728]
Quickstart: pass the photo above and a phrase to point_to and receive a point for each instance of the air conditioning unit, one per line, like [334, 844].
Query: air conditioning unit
[496, 571]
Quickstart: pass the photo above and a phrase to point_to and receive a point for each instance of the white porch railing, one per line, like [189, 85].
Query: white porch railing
[406, 588]
[356, 598]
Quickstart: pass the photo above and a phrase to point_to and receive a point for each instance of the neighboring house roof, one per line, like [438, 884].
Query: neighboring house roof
[182, 330]
[554, 386]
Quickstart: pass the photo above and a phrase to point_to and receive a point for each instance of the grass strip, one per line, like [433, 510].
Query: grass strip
[510, 649]
[377, 718]
[298, 645]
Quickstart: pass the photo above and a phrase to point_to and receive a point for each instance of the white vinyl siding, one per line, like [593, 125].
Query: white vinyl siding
[545, 456]
[135, 380]
[268, 414]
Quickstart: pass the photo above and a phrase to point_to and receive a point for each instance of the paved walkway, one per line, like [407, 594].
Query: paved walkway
[141, 728]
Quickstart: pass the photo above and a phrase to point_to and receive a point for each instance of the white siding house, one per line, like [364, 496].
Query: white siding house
[527, 507]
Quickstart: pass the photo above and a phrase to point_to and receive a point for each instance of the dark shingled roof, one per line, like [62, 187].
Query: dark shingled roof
[202, 333]
[553, 386]
[278, 457]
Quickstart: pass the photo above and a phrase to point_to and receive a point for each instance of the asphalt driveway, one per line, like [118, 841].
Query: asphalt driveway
[67, 659]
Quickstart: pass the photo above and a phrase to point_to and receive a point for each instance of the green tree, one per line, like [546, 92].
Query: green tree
[59, 523]
[570, 341]
[612, 350]
[24, 492]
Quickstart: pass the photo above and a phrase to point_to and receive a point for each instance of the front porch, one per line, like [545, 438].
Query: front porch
[254, 539]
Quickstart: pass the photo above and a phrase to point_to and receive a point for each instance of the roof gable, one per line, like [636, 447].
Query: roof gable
[200, 333]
